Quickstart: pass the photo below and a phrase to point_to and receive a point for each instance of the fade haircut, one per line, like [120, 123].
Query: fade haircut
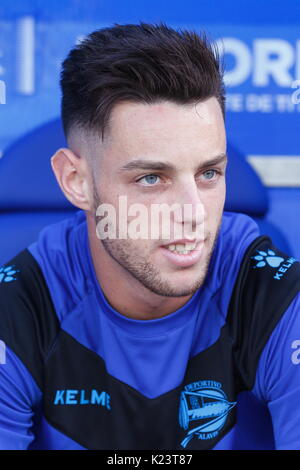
[143, 63]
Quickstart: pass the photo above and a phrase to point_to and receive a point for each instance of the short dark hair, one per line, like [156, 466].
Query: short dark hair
[136, 62]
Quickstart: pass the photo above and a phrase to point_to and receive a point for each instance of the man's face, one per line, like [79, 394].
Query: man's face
[165, 153]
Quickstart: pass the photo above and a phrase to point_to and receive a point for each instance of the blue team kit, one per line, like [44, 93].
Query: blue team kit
[216, 374]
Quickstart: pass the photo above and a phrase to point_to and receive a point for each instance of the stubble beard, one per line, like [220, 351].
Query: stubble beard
[143, 270]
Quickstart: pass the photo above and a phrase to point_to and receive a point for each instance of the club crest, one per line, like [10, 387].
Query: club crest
[203, 410]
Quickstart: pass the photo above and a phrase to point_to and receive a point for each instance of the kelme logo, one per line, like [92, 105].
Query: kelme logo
[7, 274]
[82, 397]
[269, 258]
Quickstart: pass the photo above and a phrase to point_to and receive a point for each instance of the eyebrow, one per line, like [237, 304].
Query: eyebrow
[140, 164]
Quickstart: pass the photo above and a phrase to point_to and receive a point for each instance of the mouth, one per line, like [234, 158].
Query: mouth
[183, 253]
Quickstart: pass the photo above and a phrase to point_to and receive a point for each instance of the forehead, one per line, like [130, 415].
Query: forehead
[159, 131]
[165, 128]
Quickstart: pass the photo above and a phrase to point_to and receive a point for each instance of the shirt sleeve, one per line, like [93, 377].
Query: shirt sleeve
[19, 395]
[278, 378]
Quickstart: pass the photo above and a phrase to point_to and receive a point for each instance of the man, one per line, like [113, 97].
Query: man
[148, 342]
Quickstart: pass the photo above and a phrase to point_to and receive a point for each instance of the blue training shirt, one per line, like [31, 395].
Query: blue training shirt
[144, 360]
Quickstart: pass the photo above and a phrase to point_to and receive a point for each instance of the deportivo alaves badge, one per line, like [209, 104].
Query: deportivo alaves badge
[203, 410]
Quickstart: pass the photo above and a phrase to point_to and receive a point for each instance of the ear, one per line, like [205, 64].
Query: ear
[72, 176]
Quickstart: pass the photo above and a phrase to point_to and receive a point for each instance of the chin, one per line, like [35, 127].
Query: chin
[176, 289]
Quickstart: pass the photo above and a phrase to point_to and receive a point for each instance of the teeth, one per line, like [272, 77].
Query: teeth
[182, 248]
[190, 246]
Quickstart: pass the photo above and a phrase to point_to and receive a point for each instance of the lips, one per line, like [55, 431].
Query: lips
[183, 246]
[182, 253]
[182, 241]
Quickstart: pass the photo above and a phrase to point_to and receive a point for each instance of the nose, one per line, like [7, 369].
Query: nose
[189, 214]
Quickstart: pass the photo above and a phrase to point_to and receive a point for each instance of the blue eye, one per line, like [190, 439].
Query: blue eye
[150, 179]
[209, 174]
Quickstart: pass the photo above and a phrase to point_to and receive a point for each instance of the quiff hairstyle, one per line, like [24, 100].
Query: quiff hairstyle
[143, 63]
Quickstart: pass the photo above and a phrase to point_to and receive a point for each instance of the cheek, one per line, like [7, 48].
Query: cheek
[216, 198]
[220, 197]
[214, 204]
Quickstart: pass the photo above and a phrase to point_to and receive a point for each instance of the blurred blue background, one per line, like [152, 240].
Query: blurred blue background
[260, 45]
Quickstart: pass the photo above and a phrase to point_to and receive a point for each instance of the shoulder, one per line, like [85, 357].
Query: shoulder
[267, 283]
[28, 323]
[62, 253]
